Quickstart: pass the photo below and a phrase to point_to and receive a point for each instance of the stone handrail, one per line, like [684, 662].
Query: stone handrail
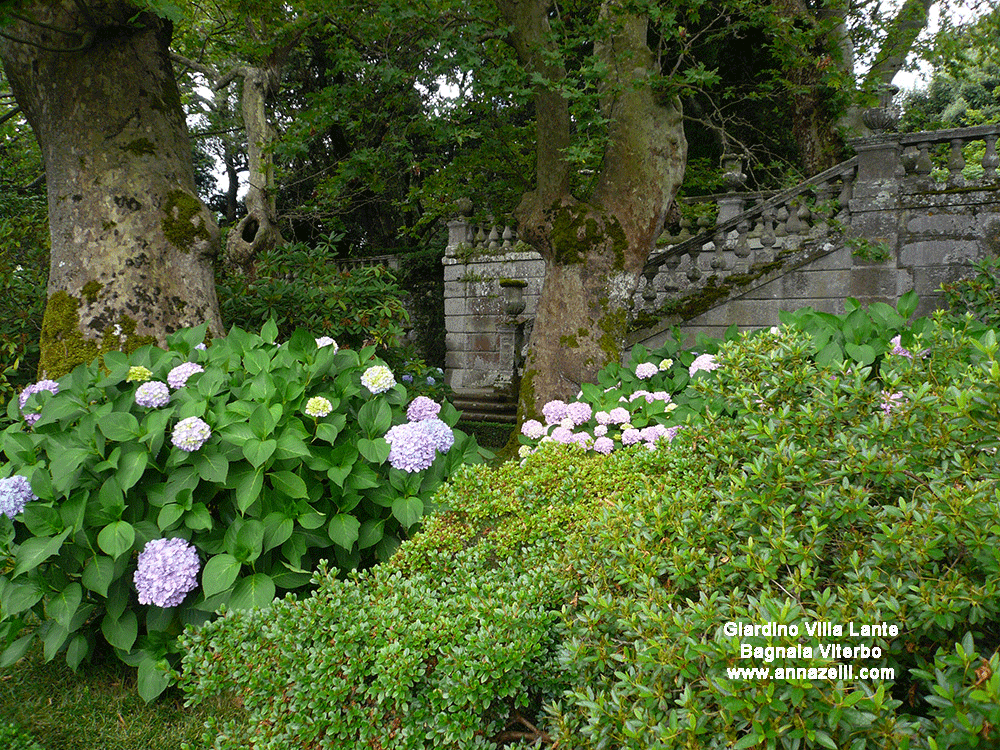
[916, 147]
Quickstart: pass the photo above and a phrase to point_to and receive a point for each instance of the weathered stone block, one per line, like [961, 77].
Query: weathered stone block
[879, 282]
[942, 224]
[939, 252]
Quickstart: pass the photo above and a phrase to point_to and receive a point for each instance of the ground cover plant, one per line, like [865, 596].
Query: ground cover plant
[580, 600]
[145, 492]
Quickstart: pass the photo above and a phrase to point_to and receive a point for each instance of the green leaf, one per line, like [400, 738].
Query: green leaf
[258, 451]
[277, 529]
[343, 530]
[748, 740]
[18, 597]
[132, 465]
[63, 605]
[36, 550]
[212, 466]
[907, 304]
[116, 538]
[248, 488]
[327, 431]
[262, 422]
[253, 591]
[375, 417]
[151, 680]
[288, 483]
[98, 574]
[408, 510]
[77, 650]
[119, 426]
[863, 354]
[370, 533]
[16, 650]
[221, 571]
[825, 740]
[376, 451]
[169, 515]
[198, 518]
[269, 333]
[291, 445]
[121, 632]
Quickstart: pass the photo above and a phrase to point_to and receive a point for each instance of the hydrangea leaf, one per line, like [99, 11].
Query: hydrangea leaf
[408, 510]
[98, 574]
[116, 538]
[119, 426]
[370, 533]
[376, 451]
[219, 574]
[151, 680]
[343, 530]
[257, 452]
[288, 483]
[36, 550]
[253, 591]
[63, 605]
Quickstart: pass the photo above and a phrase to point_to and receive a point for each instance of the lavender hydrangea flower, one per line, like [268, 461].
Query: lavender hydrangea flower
[422, 408]
[619, 415]
[152, 395]
[579, 412]
[705, 362]
[178, 376]
[554, 411]
[22, 400]
[439, 432]
[167, 571]
[378, 379]
[603, 417]
[600, 430]
[15, 493]
[582, 439]
[532, 429]
[646, 370]
[604, 445]
[631, 436]
[407, 378]
[411, 447]
[652, 433]
[562, 435]
[318, 406]
[190, 434]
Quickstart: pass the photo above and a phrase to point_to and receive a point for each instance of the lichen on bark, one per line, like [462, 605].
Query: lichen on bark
[183, 223]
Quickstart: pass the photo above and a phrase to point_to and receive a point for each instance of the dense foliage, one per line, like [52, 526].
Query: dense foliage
[805, 491]
[232, 470]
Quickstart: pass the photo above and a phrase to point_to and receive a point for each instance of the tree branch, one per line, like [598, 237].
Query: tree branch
[87, 40]
[8, 115]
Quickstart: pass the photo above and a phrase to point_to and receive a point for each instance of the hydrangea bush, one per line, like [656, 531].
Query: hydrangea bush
[152, 490]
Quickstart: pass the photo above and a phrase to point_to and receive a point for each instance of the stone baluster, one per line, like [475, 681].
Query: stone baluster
[685, 223]
[824, 208]
[804, 216]
[694, 271]
[909, 158]
[767, 238]
[781, 228]
[956, 163]
[844, 199]
[494, 238]
[480, 237]
[670, 283]
[742, 249]
[718, 258]
[990, 159]
[508, 238]
[649, 291]
[793, 226]
[924, 164]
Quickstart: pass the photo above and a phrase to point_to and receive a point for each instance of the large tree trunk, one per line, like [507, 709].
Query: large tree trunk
[132, 245]
[594, 248]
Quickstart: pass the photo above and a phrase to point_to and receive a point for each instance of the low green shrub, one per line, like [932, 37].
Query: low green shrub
[449, 644]
[835, 497]
[230, 470]
[979, 295]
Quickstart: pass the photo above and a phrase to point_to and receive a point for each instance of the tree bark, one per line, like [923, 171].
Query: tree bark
[595, 246]
[132, 245]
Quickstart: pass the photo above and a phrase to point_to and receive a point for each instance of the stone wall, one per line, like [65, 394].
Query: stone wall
[872, 228]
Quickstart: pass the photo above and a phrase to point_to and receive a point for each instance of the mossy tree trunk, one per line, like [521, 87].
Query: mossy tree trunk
[594, 245]
[132, 245]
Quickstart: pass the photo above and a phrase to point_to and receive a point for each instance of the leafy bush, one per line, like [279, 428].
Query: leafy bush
[14, 738]
[254, 463]
[299, 286]
[978, 296]
[807, 492]
[449, 644]
[24, 259]
[835, 497]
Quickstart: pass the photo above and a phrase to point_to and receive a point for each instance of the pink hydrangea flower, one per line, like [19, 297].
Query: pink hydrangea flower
[604, 445]
[646, 370]
[532, 429]
[554, 411]
[703, 362]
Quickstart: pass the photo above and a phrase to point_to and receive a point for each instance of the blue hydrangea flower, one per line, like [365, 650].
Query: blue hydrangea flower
[422, 408]
[153, 394]
[15, 493]
[167, 571]
[439, 433]
[190, 434]
[430, 380]
[178, 376]
[42, 385]
[411, 447]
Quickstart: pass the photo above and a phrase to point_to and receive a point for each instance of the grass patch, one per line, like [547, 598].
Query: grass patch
[96, 707]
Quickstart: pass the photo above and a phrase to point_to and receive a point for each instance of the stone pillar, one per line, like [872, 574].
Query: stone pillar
[732, 205]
